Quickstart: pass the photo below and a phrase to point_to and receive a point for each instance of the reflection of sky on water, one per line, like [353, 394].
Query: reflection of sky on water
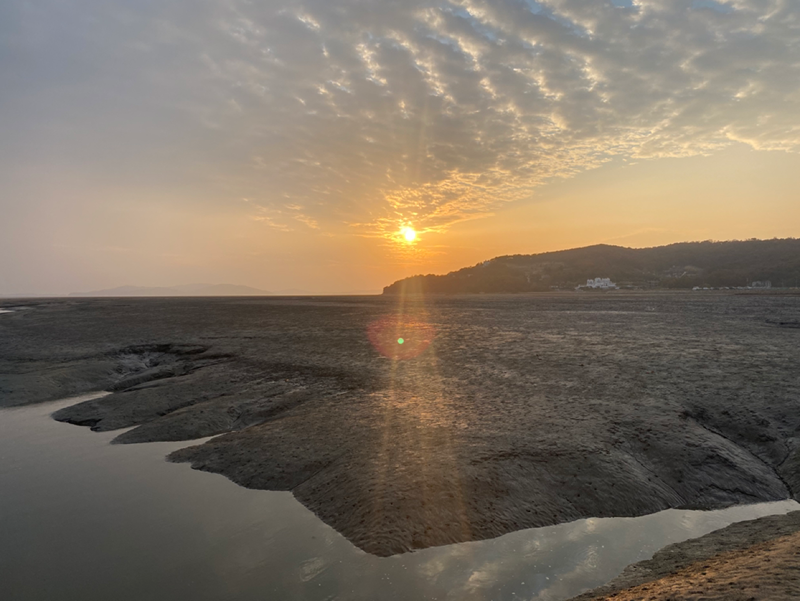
[5, 311]
[82, 519]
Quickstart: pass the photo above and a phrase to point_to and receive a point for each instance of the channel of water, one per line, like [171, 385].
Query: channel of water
[82, 519]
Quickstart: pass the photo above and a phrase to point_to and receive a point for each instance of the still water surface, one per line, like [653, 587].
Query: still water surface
[81, 519]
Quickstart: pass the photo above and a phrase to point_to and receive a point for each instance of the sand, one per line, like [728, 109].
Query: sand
[748, 561]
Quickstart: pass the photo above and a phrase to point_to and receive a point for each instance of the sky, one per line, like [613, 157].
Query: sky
[286, 144]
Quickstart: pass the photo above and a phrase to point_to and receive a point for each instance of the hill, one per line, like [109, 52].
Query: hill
[682, 265]
[186, 290]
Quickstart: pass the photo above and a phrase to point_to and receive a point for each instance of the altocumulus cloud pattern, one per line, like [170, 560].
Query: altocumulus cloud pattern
[372, 113]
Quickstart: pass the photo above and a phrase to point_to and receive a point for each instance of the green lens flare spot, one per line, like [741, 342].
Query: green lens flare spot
[400, 341]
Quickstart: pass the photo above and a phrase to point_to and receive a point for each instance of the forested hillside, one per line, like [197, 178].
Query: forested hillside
[682, 265]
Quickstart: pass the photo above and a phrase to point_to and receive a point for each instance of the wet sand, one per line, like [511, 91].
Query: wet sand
[524, 411]
[749, 561]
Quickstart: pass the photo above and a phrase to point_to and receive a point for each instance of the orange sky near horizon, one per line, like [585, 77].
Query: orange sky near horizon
[737, 193]
[286, 146]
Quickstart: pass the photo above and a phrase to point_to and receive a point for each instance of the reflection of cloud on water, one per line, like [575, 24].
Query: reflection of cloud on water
[212, 539]
[558, 562]
[311, 568]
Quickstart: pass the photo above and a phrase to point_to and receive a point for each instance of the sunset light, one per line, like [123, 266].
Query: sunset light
[409, 234]
[430, 286]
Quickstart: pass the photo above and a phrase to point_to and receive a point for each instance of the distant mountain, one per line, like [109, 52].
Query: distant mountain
[683, 265]
[185, 290]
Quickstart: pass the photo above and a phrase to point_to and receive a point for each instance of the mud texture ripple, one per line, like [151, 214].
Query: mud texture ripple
[495, 413]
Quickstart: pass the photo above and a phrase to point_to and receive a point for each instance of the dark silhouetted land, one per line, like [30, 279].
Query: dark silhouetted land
[677, 266]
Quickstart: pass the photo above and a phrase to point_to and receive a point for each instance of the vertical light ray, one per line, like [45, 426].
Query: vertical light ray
[415, 406]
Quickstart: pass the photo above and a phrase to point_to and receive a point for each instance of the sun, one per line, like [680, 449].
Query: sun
[409, 234]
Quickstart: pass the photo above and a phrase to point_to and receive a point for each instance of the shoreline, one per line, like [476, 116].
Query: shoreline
[153, 500]
[754, 559]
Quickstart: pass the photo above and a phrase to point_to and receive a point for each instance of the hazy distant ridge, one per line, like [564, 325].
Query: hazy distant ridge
[682, 265]
[185, 290]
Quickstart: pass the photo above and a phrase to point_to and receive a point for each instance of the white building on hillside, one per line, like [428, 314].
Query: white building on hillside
[599, 284]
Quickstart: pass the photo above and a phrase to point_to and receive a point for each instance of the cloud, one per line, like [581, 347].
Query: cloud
[378, 113]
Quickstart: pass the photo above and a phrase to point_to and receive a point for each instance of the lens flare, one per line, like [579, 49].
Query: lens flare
[400, 337]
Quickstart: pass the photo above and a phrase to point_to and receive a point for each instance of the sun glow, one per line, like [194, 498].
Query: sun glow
[409, 234]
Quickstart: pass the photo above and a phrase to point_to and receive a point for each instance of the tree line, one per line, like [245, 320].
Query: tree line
[683, 265]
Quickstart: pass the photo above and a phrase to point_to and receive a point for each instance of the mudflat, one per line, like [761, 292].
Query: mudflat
[406, 423]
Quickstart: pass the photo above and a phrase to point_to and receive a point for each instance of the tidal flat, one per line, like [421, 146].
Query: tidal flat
[494, 414]
[85, 520]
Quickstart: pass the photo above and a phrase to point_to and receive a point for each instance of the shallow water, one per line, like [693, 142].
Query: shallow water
[83, 519]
